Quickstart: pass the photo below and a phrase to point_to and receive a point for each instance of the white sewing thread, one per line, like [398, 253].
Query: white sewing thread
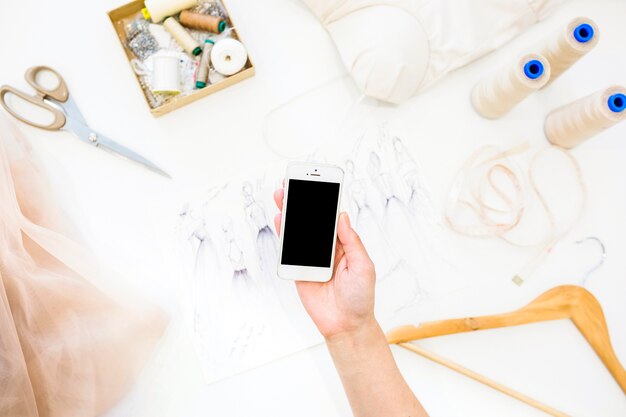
[575, 122]
[497, 95]
[228, 56]
[160, 9]
[570, 44]
[166, 75]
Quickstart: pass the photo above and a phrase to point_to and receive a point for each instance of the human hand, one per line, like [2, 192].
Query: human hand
[345, 304]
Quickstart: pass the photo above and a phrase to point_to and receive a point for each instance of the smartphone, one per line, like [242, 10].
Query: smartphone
[309, 223]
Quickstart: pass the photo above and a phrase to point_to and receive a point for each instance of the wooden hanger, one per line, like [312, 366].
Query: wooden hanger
[563, 302]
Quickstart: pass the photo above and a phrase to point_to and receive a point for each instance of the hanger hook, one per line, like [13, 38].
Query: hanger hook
[600, 261]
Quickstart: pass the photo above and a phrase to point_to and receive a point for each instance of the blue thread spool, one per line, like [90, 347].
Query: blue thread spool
[617, 103]
[583, 33]
[533, 69]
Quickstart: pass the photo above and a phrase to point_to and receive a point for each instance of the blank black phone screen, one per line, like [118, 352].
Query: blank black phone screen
[309, 229]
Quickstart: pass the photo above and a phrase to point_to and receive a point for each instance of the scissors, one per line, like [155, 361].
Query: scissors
[67, 116]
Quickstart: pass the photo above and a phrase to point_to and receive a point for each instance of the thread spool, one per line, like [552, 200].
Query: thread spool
[575, 122]
[199, 21]
[498, 94]
[166, 74]
[183, 37]
[157, 10]
[570, 44]
[202, 75]
[229, 56]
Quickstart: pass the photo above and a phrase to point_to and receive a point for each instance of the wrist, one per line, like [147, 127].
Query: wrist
[353, 351]
[362, 335]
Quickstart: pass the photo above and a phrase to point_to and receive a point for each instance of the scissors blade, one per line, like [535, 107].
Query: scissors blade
[71, 109]
[92, 137]
[129, 154]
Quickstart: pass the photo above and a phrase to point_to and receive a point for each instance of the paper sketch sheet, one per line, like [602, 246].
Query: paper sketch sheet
[391, 209]
[243, 315]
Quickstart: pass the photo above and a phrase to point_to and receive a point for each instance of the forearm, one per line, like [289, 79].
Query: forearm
[370, 377]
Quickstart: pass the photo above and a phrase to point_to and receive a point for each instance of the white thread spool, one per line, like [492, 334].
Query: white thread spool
[166, 73]
[228, 56]
[160, 9]
[575, 122]
[570, 44]
[498, 94]
[183, 37]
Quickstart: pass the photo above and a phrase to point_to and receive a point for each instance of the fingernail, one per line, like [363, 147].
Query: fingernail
[346, 218]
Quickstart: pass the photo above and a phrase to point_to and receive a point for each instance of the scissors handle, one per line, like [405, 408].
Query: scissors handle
[59, 93]
[59, 117]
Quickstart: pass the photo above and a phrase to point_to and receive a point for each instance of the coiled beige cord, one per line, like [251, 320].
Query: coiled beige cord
[489, 197]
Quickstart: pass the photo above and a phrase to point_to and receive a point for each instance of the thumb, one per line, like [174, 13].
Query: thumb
[351, 242]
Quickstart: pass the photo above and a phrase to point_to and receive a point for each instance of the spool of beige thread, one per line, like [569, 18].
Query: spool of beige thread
[202, 21]
[498, 94]
[183, 37]
[157, 10]
[202, 75]
[570, 44]
[575, 122]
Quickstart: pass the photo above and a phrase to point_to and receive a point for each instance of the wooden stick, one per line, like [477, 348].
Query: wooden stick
[482, 379]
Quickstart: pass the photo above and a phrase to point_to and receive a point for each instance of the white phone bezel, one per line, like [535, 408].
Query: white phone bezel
[318, 173]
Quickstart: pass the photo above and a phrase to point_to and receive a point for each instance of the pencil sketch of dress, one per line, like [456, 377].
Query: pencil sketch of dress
[366, 223]
[265, 238]
[396, 222]
[267, 243]
[206, 287]
[242, 282]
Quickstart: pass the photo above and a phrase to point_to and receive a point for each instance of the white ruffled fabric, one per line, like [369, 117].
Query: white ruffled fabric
[396, 48]
[67, 347]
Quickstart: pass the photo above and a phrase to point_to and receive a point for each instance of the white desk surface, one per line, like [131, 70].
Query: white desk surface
[122, 211]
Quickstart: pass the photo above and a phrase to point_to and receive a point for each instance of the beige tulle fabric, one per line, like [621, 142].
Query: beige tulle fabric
[67, 346]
